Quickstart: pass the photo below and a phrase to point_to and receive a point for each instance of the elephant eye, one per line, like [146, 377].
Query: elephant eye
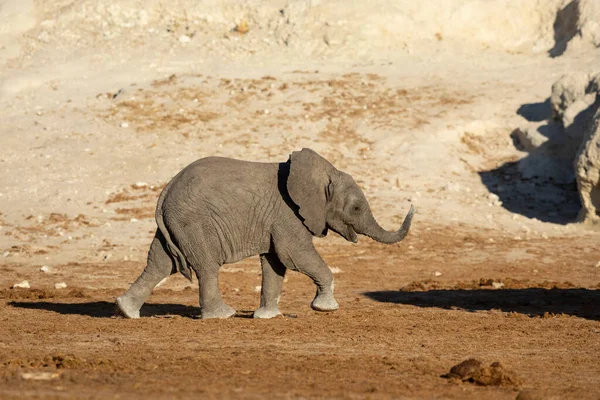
[356, 208]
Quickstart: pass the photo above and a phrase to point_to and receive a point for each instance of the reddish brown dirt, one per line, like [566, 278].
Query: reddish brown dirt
[399, 329]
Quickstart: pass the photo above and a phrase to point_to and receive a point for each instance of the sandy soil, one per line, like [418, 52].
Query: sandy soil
[101, 105]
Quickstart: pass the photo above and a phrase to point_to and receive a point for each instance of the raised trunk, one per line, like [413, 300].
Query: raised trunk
[373, 230]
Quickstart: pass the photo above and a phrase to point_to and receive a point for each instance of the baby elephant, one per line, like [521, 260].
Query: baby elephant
[219, 210]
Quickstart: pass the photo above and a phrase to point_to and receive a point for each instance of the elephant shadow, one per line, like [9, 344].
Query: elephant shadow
[581, 303]
[105, 309]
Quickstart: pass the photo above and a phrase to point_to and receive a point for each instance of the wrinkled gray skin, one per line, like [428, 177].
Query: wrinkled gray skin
[218, 211]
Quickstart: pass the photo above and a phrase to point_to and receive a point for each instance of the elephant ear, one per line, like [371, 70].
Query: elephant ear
[307, 185]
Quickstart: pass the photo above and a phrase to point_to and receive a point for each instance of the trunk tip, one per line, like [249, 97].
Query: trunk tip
[412, 210]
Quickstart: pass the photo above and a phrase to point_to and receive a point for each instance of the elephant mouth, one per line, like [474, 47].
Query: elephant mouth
[347, 233]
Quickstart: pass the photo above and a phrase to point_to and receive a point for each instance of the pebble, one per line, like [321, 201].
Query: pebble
[22, 284]
[497, 285]
[184, 38]
[598, 264]
[335, 270]
[437, 273]
[161, 282]
[39, 376]
[257, 288]
[133, 220]
[60, 285]
[45, 269]
[139, 185]
[124, 125]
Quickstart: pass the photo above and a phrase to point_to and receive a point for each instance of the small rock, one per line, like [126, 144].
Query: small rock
[124, 125]
[39, 376]
[139, 185]
[472, 370]
[335, 270]
[497, 285]
[257, 288]
[60, 285]
[466, 369]
[437, 273]
[184, 38]
[493, 197]
[598, 264]
[22, 284]
[235, 290]
[133, 220]
[162, 282]
[45, 269]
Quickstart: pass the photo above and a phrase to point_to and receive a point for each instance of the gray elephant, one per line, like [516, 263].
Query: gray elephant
[219, 210]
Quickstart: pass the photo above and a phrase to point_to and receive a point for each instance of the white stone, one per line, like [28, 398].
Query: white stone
[162, 282]
[335, 270]
[184, 38]
[60, 285]
[497, 285]
[437, 273]
[124, 125]
[45, 269]
[22, 285]
[39, 376]
[257, 288]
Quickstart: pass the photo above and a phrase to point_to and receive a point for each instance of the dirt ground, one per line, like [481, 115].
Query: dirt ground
[399, 329]
[100, 105]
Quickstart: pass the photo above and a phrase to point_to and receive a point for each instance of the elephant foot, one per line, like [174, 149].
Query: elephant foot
[127, 309]
[223, 311]
[265, 313]
[324, 302]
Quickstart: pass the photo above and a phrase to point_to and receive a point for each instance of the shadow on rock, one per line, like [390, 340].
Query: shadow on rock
[532, 301]
[105, 309]
[536, 112]
[543, 199]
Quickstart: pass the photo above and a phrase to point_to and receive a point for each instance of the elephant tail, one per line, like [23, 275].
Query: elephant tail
[175, 252]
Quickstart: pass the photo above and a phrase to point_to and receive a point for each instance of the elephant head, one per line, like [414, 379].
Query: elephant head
[330, 199]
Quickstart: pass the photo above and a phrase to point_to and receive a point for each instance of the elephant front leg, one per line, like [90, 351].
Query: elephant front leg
[273, 272]
[305, 259]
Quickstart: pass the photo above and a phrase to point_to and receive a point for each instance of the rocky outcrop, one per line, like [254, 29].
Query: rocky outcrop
[567, 146]
[576, 27]
[587, 170]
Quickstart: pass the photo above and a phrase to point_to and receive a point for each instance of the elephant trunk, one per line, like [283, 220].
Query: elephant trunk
[373, 230]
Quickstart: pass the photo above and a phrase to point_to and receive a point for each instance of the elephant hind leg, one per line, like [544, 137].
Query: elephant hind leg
[159, 266]
[211, 302]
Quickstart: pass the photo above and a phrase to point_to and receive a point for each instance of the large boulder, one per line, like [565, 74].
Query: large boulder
[569, 89]
[567, 147]
[587, 170]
